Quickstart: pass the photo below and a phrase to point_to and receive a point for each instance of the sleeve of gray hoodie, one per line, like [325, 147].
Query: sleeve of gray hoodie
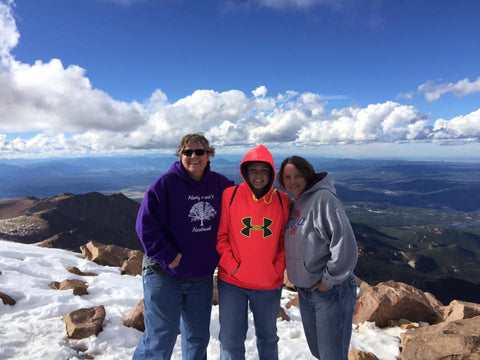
[342, 244]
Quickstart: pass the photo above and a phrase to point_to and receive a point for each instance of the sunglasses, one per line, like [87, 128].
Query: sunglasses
[198, 152]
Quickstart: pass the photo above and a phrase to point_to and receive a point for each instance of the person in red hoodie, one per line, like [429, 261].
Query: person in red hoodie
[252, 257]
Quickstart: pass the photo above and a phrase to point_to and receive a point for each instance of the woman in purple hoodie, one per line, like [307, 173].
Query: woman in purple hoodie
[177, 224]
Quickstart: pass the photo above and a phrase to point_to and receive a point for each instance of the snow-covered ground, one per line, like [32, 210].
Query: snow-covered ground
[32, 328]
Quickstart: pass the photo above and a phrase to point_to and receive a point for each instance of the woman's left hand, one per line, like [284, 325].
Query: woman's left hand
[320, 286]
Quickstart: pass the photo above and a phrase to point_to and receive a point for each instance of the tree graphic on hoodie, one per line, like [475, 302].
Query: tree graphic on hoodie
[202, 211]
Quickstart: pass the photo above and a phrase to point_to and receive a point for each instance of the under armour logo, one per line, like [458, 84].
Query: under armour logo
[249, 227]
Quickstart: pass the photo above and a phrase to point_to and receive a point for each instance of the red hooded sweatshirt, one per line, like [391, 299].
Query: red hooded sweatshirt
[250, 238]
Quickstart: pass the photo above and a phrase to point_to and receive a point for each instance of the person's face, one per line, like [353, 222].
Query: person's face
[258, 175]
[193, 163]
[293, 180]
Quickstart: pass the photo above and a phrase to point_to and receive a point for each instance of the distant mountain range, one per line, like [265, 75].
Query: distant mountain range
[435, 185]
[444, 261]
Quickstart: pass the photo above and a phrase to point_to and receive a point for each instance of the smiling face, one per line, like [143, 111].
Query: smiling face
[293, 180]
[195, 164]
[258, 175]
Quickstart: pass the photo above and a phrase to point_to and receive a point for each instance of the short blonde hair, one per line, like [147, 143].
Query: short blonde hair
[194, 139]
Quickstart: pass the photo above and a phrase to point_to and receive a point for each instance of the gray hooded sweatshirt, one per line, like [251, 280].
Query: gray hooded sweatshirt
[319, 240]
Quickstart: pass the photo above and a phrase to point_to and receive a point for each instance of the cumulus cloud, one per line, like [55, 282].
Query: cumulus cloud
[433, 92]
[8, 29]
[387, 122]
[67, 115]
[460, 127]
[47, 96]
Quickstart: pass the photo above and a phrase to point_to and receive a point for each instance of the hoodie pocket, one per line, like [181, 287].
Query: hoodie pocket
[258, 273]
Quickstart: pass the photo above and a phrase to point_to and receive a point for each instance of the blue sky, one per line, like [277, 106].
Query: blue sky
[335, 78]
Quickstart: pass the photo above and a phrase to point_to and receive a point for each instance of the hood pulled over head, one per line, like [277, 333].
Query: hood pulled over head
[259, 153]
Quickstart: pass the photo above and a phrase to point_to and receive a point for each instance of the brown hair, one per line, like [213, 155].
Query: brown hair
[303, 166]
[194, 139]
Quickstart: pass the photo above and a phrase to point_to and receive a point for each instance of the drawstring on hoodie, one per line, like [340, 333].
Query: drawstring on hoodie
[265, 197]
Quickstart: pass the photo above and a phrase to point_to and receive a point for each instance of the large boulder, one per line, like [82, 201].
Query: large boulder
[135, 318]
[395, 300]
[458, 310]
[133, 265]
[455, 340]
[129, 260]
[84, 323]
[105, 254]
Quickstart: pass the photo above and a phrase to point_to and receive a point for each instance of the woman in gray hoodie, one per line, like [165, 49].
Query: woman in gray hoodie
[321, 254]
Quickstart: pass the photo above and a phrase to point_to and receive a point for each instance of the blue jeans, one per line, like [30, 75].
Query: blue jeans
[170, 305]
[233, 304]
[327, 319]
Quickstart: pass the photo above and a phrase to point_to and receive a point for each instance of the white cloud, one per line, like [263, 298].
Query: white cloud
[49, 97]
[68, 116]
[8, 29]
[387, 122]
[433, 92]
[261, 91]
[460, 127]
[406, 96]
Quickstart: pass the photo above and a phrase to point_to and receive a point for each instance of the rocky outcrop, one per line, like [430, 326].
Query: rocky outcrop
[453, 335]
[135, 318]
[7, 300]
[393, 300]
[133, 265]
[79, 287]
[84, 323]
[129, 260]
[458, 310]
[455, 340]
[68, 221]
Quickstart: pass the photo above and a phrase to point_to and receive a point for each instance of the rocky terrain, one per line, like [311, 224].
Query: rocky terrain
[444, 262]
[431, 330]
[68, 221]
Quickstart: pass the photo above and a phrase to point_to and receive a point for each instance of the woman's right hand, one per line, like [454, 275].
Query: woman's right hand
[175, 261]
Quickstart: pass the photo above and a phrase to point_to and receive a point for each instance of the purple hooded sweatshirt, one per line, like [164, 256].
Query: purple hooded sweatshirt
[181, 215]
